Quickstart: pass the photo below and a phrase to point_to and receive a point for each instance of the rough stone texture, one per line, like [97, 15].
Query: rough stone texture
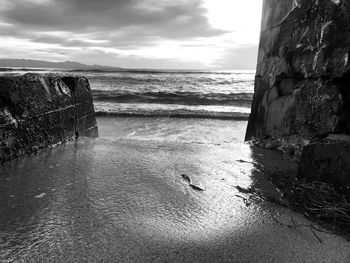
[41, 110]
[302, 91]
[303, 71]
[327, 160]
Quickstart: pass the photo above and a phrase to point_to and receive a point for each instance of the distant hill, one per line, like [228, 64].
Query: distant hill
[30, 63]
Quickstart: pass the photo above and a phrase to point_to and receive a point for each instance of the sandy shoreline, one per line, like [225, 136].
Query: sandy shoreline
[121, 198]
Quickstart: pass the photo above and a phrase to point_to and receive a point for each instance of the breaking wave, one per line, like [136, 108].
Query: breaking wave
[212, 95]
[176, 114]
[180, 98]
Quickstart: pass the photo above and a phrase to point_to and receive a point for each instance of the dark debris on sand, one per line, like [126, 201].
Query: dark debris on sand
[188, 179]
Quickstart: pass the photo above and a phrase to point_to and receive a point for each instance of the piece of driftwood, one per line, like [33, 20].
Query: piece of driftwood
[188, 179]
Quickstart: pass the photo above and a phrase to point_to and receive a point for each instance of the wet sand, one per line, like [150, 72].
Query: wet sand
[121, 198]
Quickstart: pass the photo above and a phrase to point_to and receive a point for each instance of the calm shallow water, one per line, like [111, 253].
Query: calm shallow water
[121, 198]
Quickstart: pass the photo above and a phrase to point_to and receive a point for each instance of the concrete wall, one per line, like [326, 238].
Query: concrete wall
[303, 72]
[41, 110]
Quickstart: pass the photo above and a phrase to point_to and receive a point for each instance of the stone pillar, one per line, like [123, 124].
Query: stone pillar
[303, 72]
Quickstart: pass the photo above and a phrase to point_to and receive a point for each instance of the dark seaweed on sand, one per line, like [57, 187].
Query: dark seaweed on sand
[318, 201]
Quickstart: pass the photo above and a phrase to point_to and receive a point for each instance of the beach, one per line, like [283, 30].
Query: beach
[121, 198]
[175, 131]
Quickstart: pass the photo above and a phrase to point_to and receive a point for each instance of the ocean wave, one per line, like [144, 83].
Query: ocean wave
[181, 98]
[174, 114]
[121, 80]
[157, 72]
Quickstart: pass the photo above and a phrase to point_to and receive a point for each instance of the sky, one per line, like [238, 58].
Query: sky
[172, 34]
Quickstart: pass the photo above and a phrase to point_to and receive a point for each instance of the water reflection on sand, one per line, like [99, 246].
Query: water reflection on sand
[121, 198]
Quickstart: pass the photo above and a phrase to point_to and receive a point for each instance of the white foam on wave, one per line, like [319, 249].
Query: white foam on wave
[172, 110]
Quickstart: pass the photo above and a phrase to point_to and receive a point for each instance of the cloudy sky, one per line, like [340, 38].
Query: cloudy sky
[133, 33]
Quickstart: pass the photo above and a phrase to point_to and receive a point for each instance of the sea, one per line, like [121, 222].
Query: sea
[168, 93]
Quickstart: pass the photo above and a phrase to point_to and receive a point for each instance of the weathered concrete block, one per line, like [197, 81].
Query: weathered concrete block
[40, 110]
[327, 160]
[303, 72]
[84, 107]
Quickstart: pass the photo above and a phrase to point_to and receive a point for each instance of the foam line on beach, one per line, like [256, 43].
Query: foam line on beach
[184, 98]
[221, 116]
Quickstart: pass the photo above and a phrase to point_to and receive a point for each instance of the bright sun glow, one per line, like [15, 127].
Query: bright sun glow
[239, 17]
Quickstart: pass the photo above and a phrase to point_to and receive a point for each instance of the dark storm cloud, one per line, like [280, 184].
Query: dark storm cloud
[44, 38]
[165, 19]
[61, 41]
